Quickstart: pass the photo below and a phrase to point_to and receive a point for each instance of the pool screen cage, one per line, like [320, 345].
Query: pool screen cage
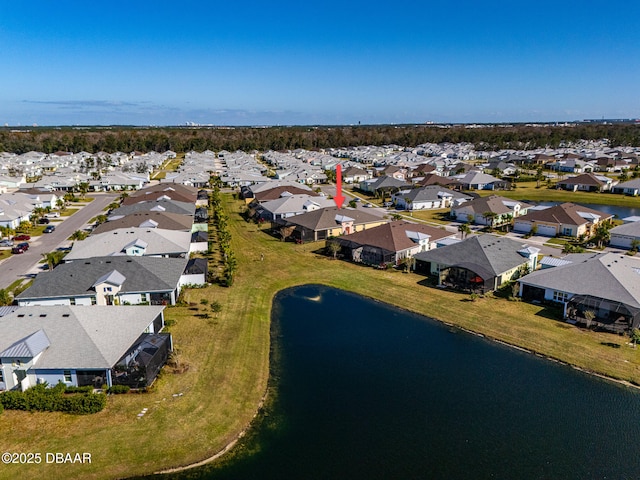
[139, 367]
[606, 314]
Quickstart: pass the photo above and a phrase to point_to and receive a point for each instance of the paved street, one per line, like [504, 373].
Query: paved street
[26, 264]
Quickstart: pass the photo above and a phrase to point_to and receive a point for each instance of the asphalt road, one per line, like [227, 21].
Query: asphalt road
[27, 264]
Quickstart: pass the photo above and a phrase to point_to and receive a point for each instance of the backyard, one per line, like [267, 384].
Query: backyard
[219, 375]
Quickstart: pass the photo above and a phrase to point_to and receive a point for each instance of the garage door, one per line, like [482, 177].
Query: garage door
[621, 241]
[547, 230]
[524, 227]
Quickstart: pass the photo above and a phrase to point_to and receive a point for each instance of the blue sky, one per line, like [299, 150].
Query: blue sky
[163, 62]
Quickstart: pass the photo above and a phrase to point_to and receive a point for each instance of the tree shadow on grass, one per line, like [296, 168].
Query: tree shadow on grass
[552, 313]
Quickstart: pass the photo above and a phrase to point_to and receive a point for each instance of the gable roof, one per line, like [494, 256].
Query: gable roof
[79, 337]
[27, 347]
[481, 253]
[142, 274]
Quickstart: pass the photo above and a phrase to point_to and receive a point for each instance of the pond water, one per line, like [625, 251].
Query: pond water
[367, 391]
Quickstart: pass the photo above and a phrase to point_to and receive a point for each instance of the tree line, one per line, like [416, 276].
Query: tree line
[183, 139]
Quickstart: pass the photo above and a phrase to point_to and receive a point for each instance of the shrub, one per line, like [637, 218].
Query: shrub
[118, 389]
[43, 399]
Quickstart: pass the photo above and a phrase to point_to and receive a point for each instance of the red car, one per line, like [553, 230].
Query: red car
[21, 238]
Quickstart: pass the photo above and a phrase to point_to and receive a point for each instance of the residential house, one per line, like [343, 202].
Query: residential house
[632, 187]
[328, 222]
[493, 210]
[391, 242]
[587, 182]
[430, 197]
[480, 263]
[118, 280]
[170, 206]
[567, 219]
[163, 191]
[81, 346]
[153, 242]
[355, 175]
[289, 205]
[626, 235]
[383, 184]
[607, 284]
[162, 220]
[482, 181]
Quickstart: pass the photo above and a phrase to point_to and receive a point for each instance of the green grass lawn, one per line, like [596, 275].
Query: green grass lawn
[439, 216]
[228, 360]
[528, 191]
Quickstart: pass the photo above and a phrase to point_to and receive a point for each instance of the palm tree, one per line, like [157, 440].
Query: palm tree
[490, 217]
[53, 258]
[464, 230]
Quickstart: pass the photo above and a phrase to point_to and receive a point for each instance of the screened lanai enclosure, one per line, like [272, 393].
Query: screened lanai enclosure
[139, 367]
[595, 312]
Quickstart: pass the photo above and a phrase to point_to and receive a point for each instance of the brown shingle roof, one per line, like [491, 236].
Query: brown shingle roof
[325, 218]
[393, 236]
[566, 213]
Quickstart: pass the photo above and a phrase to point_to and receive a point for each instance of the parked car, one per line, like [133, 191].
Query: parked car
[53, 215]
[17, 250]
[49, 228]
[23, 245]
[21, 238]
[6, 243]
[43, 221]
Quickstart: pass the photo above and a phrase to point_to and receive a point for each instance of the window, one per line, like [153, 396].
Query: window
[143, 297]
[67, 376]
[93, 300]
[1, 376]
[560, 296]
[72, 301]
[107, 289]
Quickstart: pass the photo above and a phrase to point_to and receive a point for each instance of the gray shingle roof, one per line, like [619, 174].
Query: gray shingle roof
[80, 337]
[142, 274]
[156, 242]
[168, 206]
[607, 275]
[492, 254]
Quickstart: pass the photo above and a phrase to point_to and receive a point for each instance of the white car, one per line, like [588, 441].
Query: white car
[53, 215]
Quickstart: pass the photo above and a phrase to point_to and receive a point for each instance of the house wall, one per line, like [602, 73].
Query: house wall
[133, 298]
[193, 279]
[52, 377]
[44, 301]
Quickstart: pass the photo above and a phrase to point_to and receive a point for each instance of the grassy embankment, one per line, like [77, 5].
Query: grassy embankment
[528, 191]
[228, 355]
[170, 165]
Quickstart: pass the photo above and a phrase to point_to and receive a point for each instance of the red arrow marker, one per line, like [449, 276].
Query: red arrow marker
[339, 198]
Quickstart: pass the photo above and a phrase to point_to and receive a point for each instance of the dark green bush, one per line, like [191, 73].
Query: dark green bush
[56, 399]
[118, 389]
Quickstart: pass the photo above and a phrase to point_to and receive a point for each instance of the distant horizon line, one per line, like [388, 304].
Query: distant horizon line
[188, 125]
